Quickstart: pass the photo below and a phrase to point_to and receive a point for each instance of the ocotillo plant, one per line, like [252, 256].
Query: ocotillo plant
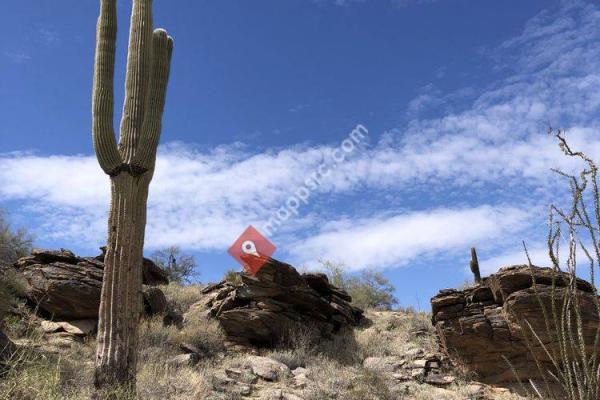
[130, 166]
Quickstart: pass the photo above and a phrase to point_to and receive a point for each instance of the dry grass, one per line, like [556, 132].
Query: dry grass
[157, 381]
[35, 374]
[334, 367]
[396, 334]
[182, 297]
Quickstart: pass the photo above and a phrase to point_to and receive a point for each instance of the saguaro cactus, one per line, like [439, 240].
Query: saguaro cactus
[130, 166]
[474, 264]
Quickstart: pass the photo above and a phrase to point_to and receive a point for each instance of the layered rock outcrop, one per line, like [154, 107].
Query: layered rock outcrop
[260, 309]
[66, 286]
[481, 325]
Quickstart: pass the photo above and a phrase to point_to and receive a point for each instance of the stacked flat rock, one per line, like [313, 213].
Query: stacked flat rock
[67, 286]
[257, 311]
[480, 325]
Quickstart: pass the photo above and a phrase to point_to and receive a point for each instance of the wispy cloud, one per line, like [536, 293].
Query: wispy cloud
[481, 175]
[396, 241]
[299, 107]
[49, 36]
[18, 57]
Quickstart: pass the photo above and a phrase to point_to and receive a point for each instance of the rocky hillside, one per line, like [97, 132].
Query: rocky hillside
[488, 325]
[304, 340]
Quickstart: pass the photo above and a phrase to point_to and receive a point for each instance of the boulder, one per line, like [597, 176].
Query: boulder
[66, 286]
[83, 327]
[155, 301]
[480, 325]
[261, 310]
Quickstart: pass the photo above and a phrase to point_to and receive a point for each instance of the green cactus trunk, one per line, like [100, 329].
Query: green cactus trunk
[130, 166]
[121, 301]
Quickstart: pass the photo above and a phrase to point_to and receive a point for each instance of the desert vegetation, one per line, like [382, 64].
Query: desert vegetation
[574, 371]
[120, 326]
[180, 267]
[322, 370]
[14, 243]
[368, 289]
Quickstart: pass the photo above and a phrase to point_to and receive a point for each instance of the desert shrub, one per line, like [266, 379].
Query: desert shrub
[155, 381]
[33, 374]
[574, 369]
[233, 276]
[14, 243]
[181, 267]
[395, 334]
[206, 335]
[181, 297]
[11, 290]
[333, 381]
[369, 289]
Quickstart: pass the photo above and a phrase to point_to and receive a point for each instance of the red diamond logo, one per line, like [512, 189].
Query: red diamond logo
[252, 250]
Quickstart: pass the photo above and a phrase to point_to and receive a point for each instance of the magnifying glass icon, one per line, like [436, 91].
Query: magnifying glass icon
[249, 247]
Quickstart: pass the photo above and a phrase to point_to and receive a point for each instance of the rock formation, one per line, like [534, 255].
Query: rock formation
[480, 325]
[258, 310]
[68, 287]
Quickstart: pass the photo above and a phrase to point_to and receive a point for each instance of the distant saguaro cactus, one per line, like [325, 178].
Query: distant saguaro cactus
[475, 265]
[130, 166]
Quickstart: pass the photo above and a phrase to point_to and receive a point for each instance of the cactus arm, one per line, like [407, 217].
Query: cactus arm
[137, 78]
[162, 49]
[103, 98]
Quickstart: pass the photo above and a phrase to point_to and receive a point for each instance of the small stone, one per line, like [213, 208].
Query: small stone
[267, 368]
[242, 389]
[50, 326]
[233, 373]
[474, 389]
[81, 327]
[188, 348]
[439, 380]
[290, 396]
[300, 381]
[401, 377]
[299, 371]
[418, 364]
[417, 373]
[413, 352]
[271, 394]
[184, 360]
[242, 375]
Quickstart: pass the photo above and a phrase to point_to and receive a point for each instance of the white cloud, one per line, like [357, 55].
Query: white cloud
[516, 256]
[399, 240]
[203, 200]
[496, 146]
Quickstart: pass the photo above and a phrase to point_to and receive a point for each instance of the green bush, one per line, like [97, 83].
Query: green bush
[14, 243]
[369, 289]
[10, 291]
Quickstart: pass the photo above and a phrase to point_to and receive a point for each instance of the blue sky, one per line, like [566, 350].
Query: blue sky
[456, 95]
